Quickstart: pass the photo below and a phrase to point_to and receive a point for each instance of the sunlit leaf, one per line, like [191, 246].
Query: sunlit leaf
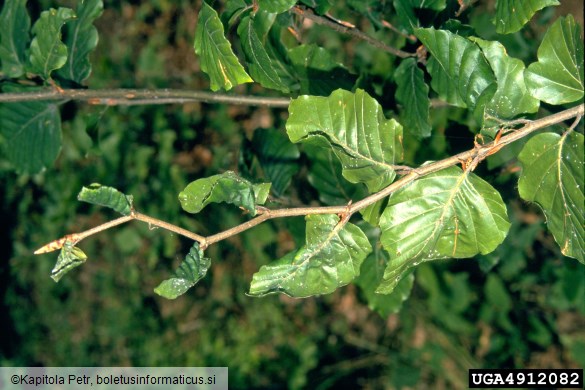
[32, 133]
[318, 72]
[512, 15]
[413, 94]
[107, 197]
[47, 52]
[511, 97]
[459, 71]
[14, 37]
[191, 271]
[371, 276]
[276, 6]
[277, 156]
[259, 63]
[366, 143]
[81, 39]
[553, 177]
[215, 52]
[226, 187]
[557, 77]
[70, 257]
[330, 259]
[447, 214]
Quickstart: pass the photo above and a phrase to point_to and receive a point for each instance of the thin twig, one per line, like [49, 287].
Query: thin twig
[475, 155]
[354, 32]
[130, 97]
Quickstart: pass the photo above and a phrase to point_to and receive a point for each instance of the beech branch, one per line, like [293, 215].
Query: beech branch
[348, 29]
[468, 159]
[131, 97]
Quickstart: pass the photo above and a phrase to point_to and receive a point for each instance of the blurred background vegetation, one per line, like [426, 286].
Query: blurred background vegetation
[522, 306]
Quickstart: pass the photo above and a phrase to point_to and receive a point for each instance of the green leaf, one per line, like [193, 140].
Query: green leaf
[450, 213]
[511, 97]
[215, 52]
[259, 63]
[107, 197]
[511, 15]
[330, 259]
[326, 177]
[370, 277]
[320, 6]
[47, 52]
[557, 77]
[405, 11]
[459, 71]
[70, 257]
[552, 176]
[277, 156]
[14, 37]
[226, 187]
[32, 132]
[413, 94]
[81, 39]
[318, 72]
[276, 6]
[191, 271]
[366, 143]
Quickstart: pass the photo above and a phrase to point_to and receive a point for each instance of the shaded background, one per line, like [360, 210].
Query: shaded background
[528, 311]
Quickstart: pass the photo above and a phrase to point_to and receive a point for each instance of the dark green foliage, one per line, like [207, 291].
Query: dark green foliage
[518, 303]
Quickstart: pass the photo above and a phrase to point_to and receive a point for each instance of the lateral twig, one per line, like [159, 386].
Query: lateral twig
[345, 29]
[474, 155]
[131, 97]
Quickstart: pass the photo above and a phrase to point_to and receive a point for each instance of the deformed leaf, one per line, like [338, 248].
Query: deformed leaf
[81, 39]
[191, 271]
[459, 71]
[413, 94]
[226, 187]
[47, 52]
[259, 63]
[511, 97]
[512, 15]
[108, 197]
[276, 6]
[32, 131]
[70, 257]
[215, 52]
[330, 259]
[557, 77]
[14, 37]
[277, 156]
[447, 214]
[553, 177]
[370, 277]
[353, 124]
